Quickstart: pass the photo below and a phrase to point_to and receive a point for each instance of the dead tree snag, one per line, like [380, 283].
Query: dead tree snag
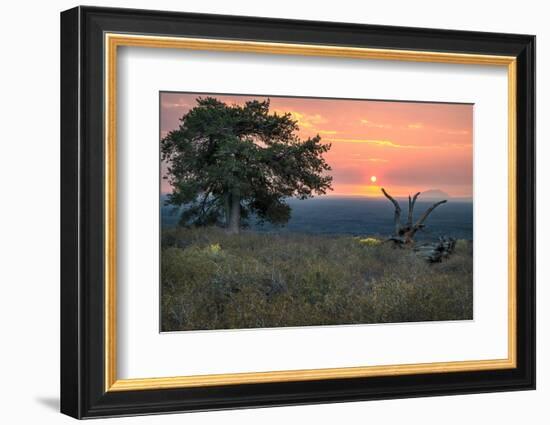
[404, 234]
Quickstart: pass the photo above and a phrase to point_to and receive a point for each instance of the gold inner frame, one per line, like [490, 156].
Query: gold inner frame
[113, 41]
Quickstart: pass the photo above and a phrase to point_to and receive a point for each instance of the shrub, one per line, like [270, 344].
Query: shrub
[370, 241]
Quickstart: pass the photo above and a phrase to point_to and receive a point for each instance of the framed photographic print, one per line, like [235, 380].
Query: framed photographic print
[261, 212]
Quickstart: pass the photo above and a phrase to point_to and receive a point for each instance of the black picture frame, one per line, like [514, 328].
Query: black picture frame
[83, 392]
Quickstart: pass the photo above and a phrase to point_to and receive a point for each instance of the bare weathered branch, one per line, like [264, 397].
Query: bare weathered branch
[436, 251]
[411, 209]
[404, 235]
[397, 213]
[396, 239]
[421, 220]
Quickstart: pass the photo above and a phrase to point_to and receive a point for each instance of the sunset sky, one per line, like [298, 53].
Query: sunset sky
[409, 147]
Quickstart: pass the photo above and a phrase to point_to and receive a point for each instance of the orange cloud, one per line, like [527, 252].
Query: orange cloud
[304, 120]
[375, 125]
[390, 144]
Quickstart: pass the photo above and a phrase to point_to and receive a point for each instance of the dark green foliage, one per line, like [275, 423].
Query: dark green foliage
[211, 280]
[228, 161]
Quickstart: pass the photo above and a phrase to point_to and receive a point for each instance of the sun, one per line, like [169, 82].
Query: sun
[373, 179]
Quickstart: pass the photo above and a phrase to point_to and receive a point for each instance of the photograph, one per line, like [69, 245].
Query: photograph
[279, 211]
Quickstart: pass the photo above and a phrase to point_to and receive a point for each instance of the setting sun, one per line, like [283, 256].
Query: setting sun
[373, 179]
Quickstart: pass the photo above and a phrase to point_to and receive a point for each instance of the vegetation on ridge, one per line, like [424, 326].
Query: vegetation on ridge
[212, 280]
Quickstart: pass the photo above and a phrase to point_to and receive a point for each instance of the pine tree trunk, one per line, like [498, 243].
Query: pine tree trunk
[227, 208]
[234, 222]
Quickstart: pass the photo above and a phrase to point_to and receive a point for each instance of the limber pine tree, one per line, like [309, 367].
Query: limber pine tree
[226, 162]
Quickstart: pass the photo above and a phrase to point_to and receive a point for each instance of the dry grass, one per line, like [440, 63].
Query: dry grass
[211, 280]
